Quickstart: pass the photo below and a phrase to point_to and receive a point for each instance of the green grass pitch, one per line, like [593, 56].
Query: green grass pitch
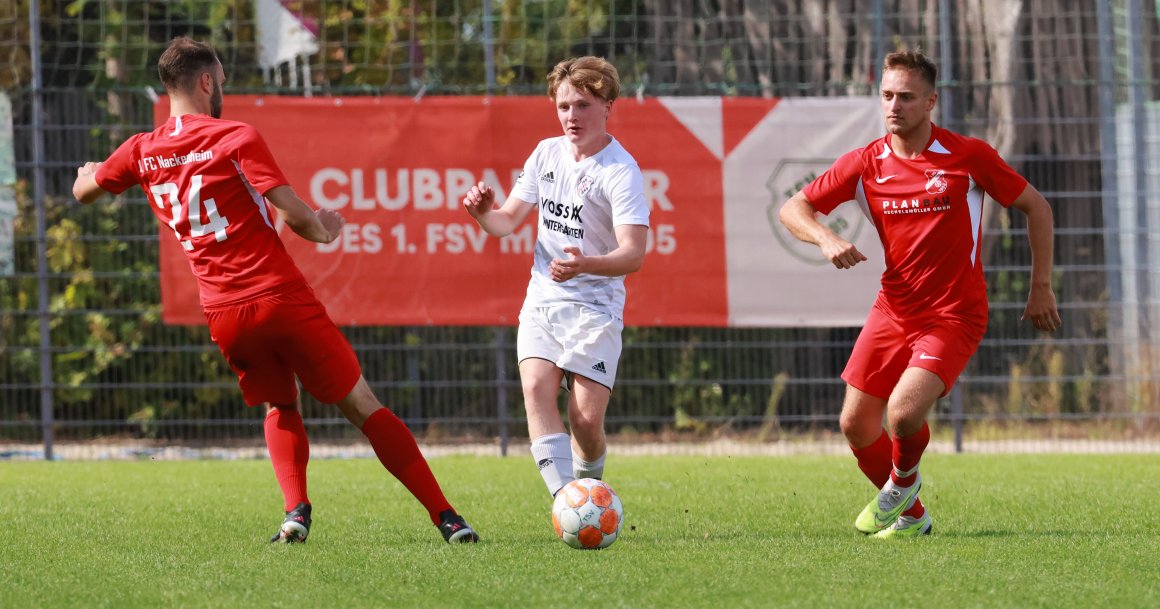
[1045, 531]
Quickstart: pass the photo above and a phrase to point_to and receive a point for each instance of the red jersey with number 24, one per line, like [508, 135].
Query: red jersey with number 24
[205, 178]
[928, 212]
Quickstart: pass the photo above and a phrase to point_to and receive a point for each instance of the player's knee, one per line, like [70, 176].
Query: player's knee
[589, 436]
[586, 425]
[848, 425]
[859, 431]
[359, 404]
[902, 423]
[534, 388]
[541, 389]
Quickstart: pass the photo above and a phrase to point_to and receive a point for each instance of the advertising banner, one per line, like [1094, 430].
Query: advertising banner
[715, 170]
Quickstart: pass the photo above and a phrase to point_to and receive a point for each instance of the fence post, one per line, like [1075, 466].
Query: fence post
[878, 39]
[488, 47]
[946, 116]
[501, 388]
[946, 62]
[1120, 346]
[1146, 222]
[47, 417]
[957, 416]
[414, 381]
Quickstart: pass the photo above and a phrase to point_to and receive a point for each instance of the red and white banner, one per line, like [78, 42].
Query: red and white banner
[715, 172]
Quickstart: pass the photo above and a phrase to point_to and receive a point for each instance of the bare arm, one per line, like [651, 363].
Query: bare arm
[85, 188]
[497, 222]
[797, 214]
[322, 226]
[626, 258]
[1041, 307]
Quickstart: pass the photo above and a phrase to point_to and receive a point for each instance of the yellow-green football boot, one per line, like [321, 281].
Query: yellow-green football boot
[885, 509]
[906, 528]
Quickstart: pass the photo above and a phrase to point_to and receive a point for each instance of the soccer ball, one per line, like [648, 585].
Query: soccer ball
[587, 514]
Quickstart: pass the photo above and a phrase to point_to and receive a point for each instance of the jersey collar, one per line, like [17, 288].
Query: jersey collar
[933, 145]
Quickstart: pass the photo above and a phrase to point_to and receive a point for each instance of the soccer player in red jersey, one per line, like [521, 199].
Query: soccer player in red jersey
[209, 180]
[922, 186]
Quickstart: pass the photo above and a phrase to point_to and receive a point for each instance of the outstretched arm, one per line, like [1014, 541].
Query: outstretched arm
[497, 222]
[798, 216]
[1041, 308]
[85, 188]
[322, 226]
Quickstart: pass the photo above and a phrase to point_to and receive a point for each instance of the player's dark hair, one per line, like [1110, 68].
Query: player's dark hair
[912, 61]
[593, 75]
[184, 60]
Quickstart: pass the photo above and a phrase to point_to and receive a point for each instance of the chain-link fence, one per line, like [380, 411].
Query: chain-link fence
[1067, 91]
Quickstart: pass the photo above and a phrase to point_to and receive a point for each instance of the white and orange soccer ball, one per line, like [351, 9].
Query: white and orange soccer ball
[587, 514]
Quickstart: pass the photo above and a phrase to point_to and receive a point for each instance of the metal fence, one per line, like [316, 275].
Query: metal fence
[1066, 91]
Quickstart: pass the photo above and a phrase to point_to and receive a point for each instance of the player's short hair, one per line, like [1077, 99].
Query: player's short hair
[912, 61]
[594, 75]
[183, 60]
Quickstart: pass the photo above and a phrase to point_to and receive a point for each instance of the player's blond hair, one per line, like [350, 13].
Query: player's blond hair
[912, 60]
[590, 74]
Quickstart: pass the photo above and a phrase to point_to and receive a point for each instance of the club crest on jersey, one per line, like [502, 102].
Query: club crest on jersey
[935, 182]
[585, 184]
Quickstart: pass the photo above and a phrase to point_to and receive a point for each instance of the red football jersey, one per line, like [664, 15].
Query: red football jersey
[206, 179]
[928, 212]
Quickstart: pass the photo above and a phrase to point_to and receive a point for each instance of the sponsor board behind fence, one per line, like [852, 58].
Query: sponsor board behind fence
[715, 171]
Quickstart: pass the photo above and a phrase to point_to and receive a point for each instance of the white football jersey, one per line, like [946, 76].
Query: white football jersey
[579, 205]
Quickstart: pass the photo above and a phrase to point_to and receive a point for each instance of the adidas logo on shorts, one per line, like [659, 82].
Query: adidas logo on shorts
[599, 367]
[549, 177]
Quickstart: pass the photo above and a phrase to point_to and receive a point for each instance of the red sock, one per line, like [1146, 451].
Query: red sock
[907, 453]
[877, 463]
[874, 460]
[399, 453]
[289, 453]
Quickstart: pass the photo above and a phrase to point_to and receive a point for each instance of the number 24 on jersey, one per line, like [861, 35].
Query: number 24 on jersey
[216, 224]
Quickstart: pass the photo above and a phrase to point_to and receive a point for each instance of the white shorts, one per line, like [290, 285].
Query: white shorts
[577, 338]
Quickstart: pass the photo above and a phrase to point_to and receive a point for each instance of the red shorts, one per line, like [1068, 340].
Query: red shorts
[270, 340]
[887, 346]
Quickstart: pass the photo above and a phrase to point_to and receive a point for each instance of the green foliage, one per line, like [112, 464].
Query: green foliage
[388, 46]
[441, 46]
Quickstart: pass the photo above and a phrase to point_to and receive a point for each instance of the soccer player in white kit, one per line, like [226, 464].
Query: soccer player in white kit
[592, 232]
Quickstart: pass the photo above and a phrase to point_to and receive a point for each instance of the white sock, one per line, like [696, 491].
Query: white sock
[553, 455]
[588, 469]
